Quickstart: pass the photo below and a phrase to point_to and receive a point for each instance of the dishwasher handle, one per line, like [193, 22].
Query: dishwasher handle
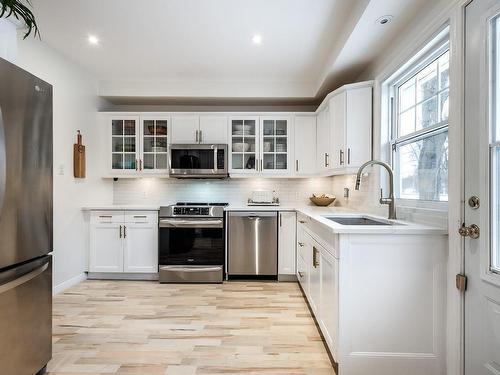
[253, 214]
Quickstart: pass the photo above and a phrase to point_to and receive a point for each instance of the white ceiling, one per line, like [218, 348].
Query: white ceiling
[203, 48]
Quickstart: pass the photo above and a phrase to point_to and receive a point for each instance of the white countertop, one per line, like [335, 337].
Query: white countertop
[117, 207]
[400, 227]
[316, 213]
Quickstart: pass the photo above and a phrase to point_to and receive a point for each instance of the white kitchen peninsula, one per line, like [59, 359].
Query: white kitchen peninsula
[378, 293]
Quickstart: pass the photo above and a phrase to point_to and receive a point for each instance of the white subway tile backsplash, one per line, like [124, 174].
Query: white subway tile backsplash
[160, 191]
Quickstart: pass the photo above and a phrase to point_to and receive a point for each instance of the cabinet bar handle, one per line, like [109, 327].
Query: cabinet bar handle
[201, 136]
[136, 164]
[302, 222]
[140, 216]
[296, 165]
[341, 157]
[120, 231]
[124, 231]
[140, 164]
[349, 156]
[105, 216]
[301, 244]
[261, 165]
[315, 257]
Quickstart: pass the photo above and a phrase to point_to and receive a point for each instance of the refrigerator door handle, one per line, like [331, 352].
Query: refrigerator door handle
[22, 276]
[3, 161]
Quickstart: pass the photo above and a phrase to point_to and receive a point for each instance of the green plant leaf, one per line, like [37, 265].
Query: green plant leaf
[22, 12]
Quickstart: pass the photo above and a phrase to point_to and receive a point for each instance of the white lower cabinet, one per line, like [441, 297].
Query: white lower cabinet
[123, 242]
[286, 242]
[379, 299]
[106, 248]
[329, 297]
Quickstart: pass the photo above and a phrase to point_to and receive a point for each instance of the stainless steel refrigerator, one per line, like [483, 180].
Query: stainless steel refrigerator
[25, 221]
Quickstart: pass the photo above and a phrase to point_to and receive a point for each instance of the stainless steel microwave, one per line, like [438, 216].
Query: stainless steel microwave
[198, 161]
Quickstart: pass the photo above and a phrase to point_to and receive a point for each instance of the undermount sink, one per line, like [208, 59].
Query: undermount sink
[358, 220]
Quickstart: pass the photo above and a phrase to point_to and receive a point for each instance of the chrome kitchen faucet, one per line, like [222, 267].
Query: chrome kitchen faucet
[388, 200]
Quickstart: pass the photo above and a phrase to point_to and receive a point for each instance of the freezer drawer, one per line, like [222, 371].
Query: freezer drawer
[253, 243]
[26, 317]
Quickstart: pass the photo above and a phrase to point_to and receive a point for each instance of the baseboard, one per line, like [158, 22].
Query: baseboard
[287, 278]
[68, 283]
[121, 276]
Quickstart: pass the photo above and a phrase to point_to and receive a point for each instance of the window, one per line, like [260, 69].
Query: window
[419, 99]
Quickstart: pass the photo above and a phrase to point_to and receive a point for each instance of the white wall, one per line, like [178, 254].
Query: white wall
[8, 40]
[75, 107]
[405, 45]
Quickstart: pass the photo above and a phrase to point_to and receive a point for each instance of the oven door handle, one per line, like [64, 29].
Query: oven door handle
[177, 223]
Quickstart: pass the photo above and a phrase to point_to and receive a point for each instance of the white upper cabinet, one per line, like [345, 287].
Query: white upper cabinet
[244, 145]
[260, 145]
[275, 136]
[124, 143]
[323, 149]
[137, 144]
[185, 128]
[213, 129]
[155, 132]
[351, 127]
[337, 136]
[358, 125]
[208, 129]
[305, 145]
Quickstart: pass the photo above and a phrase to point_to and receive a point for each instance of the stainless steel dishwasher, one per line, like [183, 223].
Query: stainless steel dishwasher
[253, 243]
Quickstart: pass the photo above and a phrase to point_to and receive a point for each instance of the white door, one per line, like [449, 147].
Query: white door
[482, 180]
[358, 148]
[185, 128]
[106, 247]
[329, 305]
[315, 278]
[286, 243]
[155, 134]
[124, 144]
[244, 142]
[275, 141]
[305, 144]
[337, 130]
[213, 129]
[140, 247]
[323, 141]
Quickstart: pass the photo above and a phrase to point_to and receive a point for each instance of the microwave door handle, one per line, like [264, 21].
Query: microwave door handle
[215, 159]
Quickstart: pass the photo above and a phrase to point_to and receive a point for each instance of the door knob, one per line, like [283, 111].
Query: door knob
[471, 231]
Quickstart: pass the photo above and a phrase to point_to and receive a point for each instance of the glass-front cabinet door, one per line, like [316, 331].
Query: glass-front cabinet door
[124, 145]
[155, 139]
[275, 138]
[244, 146]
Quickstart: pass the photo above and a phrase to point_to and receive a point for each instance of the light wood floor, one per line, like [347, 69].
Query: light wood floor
[146, 328]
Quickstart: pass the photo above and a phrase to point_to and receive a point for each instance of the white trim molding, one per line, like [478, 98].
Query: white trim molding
[68, 283]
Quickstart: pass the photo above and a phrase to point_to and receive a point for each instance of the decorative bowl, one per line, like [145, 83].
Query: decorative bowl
[322, 200]
[240, 146]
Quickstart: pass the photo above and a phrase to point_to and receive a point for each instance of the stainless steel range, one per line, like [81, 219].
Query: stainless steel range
[192, 243]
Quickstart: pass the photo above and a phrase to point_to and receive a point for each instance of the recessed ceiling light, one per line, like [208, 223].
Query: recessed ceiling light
[257, 39]
[384, 20]
[93, 40]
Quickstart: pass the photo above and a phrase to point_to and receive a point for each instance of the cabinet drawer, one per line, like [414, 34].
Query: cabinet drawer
[149, 217]
[106, 217]
[302, 219]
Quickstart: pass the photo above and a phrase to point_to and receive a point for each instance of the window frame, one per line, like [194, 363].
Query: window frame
[431, 52]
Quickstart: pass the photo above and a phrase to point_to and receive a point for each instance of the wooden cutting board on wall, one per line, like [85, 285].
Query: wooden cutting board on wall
[79, 157]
